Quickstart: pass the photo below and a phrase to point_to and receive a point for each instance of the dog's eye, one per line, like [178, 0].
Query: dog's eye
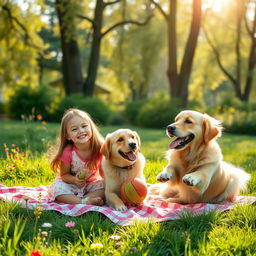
[120, 139]
[132, 137]
[187, 121]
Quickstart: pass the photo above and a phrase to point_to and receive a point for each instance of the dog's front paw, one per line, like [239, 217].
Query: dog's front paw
[121, 208]
[164, 176]
[191, 180]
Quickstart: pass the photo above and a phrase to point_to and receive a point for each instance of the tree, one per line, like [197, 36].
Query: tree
[50, 58]
[97, 35]
[179, 77]
[71, 62]
[137, 51]
[242, 86]
[20, 45]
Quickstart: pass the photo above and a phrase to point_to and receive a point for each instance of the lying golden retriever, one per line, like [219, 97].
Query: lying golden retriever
[122, 160]
[195, 172]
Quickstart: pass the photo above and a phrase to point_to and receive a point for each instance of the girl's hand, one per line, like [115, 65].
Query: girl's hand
[79, 182]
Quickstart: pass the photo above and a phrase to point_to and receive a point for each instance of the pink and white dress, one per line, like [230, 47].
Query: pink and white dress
[93, 179]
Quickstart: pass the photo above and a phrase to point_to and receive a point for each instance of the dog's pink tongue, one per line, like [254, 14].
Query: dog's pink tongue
[175, 143]
[131, 156]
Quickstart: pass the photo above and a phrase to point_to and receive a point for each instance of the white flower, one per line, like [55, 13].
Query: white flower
[47, 225]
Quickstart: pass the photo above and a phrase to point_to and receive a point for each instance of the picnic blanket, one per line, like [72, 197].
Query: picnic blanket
[153, 209]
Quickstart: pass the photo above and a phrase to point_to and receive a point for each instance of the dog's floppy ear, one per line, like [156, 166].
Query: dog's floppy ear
[105, 148]
[211, 128]
[138, 139]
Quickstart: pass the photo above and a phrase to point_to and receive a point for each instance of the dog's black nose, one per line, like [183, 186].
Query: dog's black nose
[171, 128]
[132, 145]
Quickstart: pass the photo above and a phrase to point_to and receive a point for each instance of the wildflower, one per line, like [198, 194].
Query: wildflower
[39, 117]
[46, 225]
[13, 145]
[96, 246]
[43, 122]
[44, 233]
[36, 253]
[14, 166]
[120, 243]
[26, 198]
[6, 149]
[38, 211]
[24, 155]
[115, 237]
[70, 224]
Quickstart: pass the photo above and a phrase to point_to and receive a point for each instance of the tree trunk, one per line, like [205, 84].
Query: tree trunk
[251, 62]
[190, 49]
[71, 63]
[172, 72]
[251, 66]
[89, 85]
[179, 81]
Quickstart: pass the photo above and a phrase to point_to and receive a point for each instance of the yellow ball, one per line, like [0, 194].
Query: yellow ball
[134, 191]
[81, 175]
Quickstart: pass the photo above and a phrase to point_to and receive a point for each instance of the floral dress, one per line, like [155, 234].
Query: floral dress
[93, 179]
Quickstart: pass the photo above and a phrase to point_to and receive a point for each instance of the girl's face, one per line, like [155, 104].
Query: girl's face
[78, 130]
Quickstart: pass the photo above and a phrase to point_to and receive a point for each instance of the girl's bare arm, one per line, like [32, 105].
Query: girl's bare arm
[66, 176]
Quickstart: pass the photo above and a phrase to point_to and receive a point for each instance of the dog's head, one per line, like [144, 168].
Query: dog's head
[192, 127]
[121, 147]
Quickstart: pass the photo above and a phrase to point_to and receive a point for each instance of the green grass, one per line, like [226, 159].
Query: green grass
[229, 233]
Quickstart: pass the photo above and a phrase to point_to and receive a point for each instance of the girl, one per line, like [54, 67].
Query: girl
[78, 151]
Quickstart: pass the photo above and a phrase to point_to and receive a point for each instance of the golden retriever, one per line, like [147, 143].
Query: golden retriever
[122, 160]
[195, 172]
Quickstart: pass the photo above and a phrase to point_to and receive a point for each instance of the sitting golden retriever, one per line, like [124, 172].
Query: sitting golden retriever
[122, 160]
[195, 172]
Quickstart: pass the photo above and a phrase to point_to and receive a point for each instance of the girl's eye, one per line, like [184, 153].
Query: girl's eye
[73, 130]
[187, 121]
[120, 139]
[84, 126]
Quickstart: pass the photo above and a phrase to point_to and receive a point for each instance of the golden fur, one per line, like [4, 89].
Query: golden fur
[122, 160]
[195, 172]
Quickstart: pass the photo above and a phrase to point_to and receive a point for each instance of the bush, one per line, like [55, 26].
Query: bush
[2, 108]
[158, 112]
[117, 118]
[240, 122]
[27, 101]
[98, 109]
[132, 109]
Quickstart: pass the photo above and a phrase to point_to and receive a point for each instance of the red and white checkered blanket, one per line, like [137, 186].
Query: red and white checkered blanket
[152, 209]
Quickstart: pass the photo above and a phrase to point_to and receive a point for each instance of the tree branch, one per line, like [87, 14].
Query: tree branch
[127, 22]
[160, 9]
[252, 31]
[217, 55]
[86, 18]
[26, 33]
[112, 2]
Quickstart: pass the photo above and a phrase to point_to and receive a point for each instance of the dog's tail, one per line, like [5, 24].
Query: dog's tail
[238, 180]
[242, 178]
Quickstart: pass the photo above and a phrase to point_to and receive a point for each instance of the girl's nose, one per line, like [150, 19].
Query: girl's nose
[80, 129]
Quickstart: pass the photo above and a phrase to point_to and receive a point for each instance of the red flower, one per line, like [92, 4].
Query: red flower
[36, 253]
[39, 117]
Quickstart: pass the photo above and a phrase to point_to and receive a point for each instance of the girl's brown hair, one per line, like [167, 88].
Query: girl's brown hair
[62, 141]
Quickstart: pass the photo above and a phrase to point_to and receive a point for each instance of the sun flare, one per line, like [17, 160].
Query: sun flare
[216, 5]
